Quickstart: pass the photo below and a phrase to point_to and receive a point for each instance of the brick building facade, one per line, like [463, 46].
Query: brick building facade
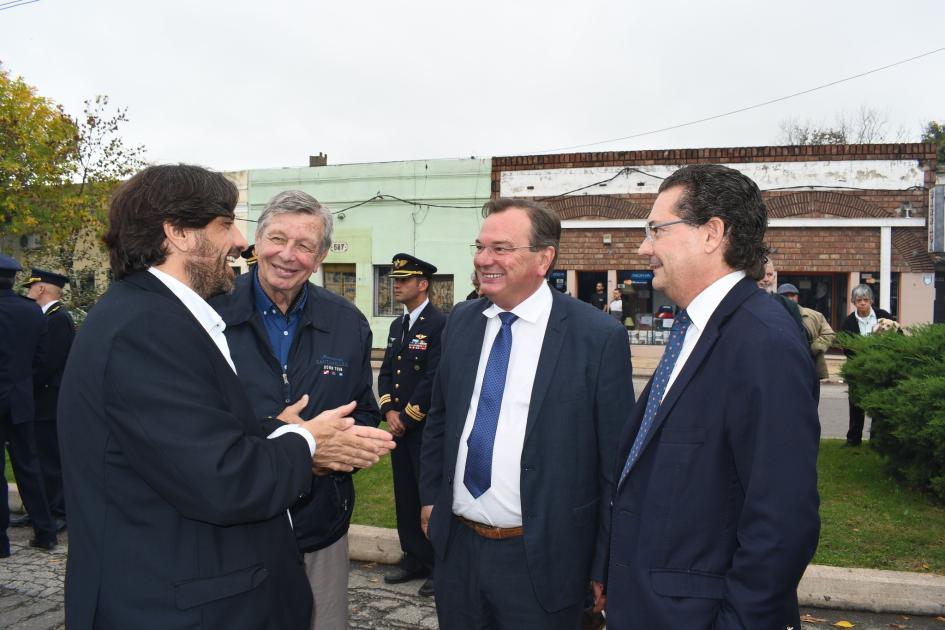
[838, 216]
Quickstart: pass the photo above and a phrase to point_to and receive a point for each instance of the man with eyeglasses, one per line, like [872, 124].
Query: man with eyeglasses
[531, 392]
[715, 509]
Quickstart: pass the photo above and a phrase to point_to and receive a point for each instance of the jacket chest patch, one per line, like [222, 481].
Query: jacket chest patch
[331, 366]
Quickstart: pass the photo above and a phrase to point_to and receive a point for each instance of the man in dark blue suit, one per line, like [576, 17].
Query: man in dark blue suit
[516, 474]
[22, 351]
[715, 511]
[176, 495]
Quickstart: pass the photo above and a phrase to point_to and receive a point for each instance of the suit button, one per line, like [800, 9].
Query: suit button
[398, 371]
[397, 400]
[416, 368]
[398, 357]
[396, 385]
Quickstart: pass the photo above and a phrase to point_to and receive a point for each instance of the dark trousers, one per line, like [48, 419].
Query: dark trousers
[857, 418]
[47, 445]
[405, 462]
[484, 584]
[21, 443]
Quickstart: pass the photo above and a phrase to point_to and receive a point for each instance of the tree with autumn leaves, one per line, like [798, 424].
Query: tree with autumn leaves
[56, 175]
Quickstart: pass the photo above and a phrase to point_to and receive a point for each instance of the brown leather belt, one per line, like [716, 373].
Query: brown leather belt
[488, 531]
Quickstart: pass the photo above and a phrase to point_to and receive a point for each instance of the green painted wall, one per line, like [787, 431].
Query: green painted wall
[372, 233]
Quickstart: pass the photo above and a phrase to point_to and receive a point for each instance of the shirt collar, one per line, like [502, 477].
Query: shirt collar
[530, 309]
[415, 313]
[203, 312]
[704, 304]
[266, 305]
[49, 305]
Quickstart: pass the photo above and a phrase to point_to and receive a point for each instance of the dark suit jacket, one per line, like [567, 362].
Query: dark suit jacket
[717, 520]
[581, 398]
[410, 365]
[176, 500]
[22, 351]
[49, 376]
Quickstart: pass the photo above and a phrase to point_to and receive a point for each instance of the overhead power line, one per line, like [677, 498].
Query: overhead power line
[14, 4]
[741, 109]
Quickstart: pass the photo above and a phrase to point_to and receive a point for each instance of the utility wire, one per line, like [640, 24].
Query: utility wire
[740, 109]
[15, 3]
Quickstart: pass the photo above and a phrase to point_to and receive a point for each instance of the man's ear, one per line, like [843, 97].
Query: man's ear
[714, 234]
[178, 238]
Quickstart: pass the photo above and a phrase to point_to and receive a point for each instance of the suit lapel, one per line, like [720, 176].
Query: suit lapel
[548, 359]
[469, 348]
[707, 340]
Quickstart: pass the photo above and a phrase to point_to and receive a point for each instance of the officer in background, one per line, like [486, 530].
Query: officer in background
[45, 288]
[22, 351]
[405, 384]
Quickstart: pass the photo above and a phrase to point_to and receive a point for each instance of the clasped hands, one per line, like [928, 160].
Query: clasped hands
[340, 444]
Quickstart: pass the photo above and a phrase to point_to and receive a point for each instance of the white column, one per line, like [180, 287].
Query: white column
[885, 266]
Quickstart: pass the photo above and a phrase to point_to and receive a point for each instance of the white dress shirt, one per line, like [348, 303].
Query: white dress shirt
[48, 305]
[501, 504]
[214, 325]
[699, 311]
[415, 313]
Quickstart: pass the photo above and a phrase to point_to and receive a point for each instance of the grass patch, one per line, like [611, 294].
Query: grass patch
[869, 520]
[374, 496]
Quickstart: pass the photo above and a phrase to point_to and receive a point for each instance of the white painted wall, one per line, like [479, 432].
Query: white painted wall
[864, 174]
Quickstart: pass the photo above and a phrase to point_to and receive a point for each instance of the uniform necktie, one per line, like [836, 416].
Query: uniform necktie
[405, 329]
[660, 380]
[478, 475]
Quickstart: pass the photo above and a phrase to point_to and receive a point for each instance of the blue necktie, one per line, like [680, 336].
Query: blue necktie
[660, 380]
[478, 475]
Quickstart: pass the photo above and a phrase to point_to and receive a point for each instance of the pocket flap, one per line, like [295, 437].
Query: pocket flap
[687, 584]
[198, 591]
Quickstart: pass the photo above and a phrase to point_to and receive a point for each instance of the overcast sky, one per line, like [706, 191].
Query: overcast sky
[236, 85]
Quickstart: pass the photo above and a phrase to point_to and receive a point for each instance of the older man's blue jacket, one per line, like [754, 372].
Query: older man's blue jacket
[330, 360]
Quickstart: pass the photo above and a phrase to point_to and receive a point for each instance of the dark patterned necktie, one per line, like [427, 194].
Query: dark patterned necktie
[405, 329]
[660, 380]
[478, 475]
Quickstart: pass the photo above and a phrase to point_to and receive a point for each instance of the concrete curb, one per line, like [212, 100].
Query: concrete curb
[829, 587]
[826, 587]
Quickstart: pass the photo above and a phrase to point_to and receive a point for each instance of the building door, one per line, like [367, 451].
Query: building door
[824, 292]
[587, 284]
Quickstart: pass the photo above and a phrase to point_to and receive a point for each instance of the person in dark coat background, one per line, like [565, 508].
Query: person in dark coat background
[861, 321]
[22, 351]
[405, 384]
[45, 288]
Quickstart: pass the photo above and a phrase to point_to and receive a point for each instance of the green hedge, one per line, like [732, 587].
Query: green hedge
[900, 381]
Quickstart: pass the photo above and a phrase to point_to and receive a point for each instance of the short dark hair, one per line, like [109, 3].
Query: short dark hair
[183, 195]
[546, 226]
[713, 190]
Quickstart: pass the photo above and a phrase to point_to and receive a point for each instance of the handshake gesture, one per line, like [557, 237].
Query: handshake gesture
[340, 444]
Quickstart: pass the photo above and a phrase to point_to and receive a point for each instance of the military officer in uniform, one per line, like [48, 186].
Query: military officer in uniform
[405, 384]
[45, 288]
[22, 351]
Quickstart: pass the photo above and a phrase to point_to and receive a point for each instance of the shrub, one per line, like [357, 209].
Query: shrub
[900, 381]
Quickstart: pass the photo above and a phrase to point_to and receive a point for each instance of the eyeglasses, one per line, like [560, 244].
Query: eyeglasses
[653, 231]
[498, 250]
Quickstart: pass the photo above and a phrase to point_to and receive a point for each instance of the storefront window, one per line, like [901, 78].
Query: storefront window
[341, 279]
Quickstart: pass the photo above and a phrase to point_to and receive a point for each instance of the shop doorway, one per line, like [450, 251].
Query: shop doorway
[587, 284]
[824, 292]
